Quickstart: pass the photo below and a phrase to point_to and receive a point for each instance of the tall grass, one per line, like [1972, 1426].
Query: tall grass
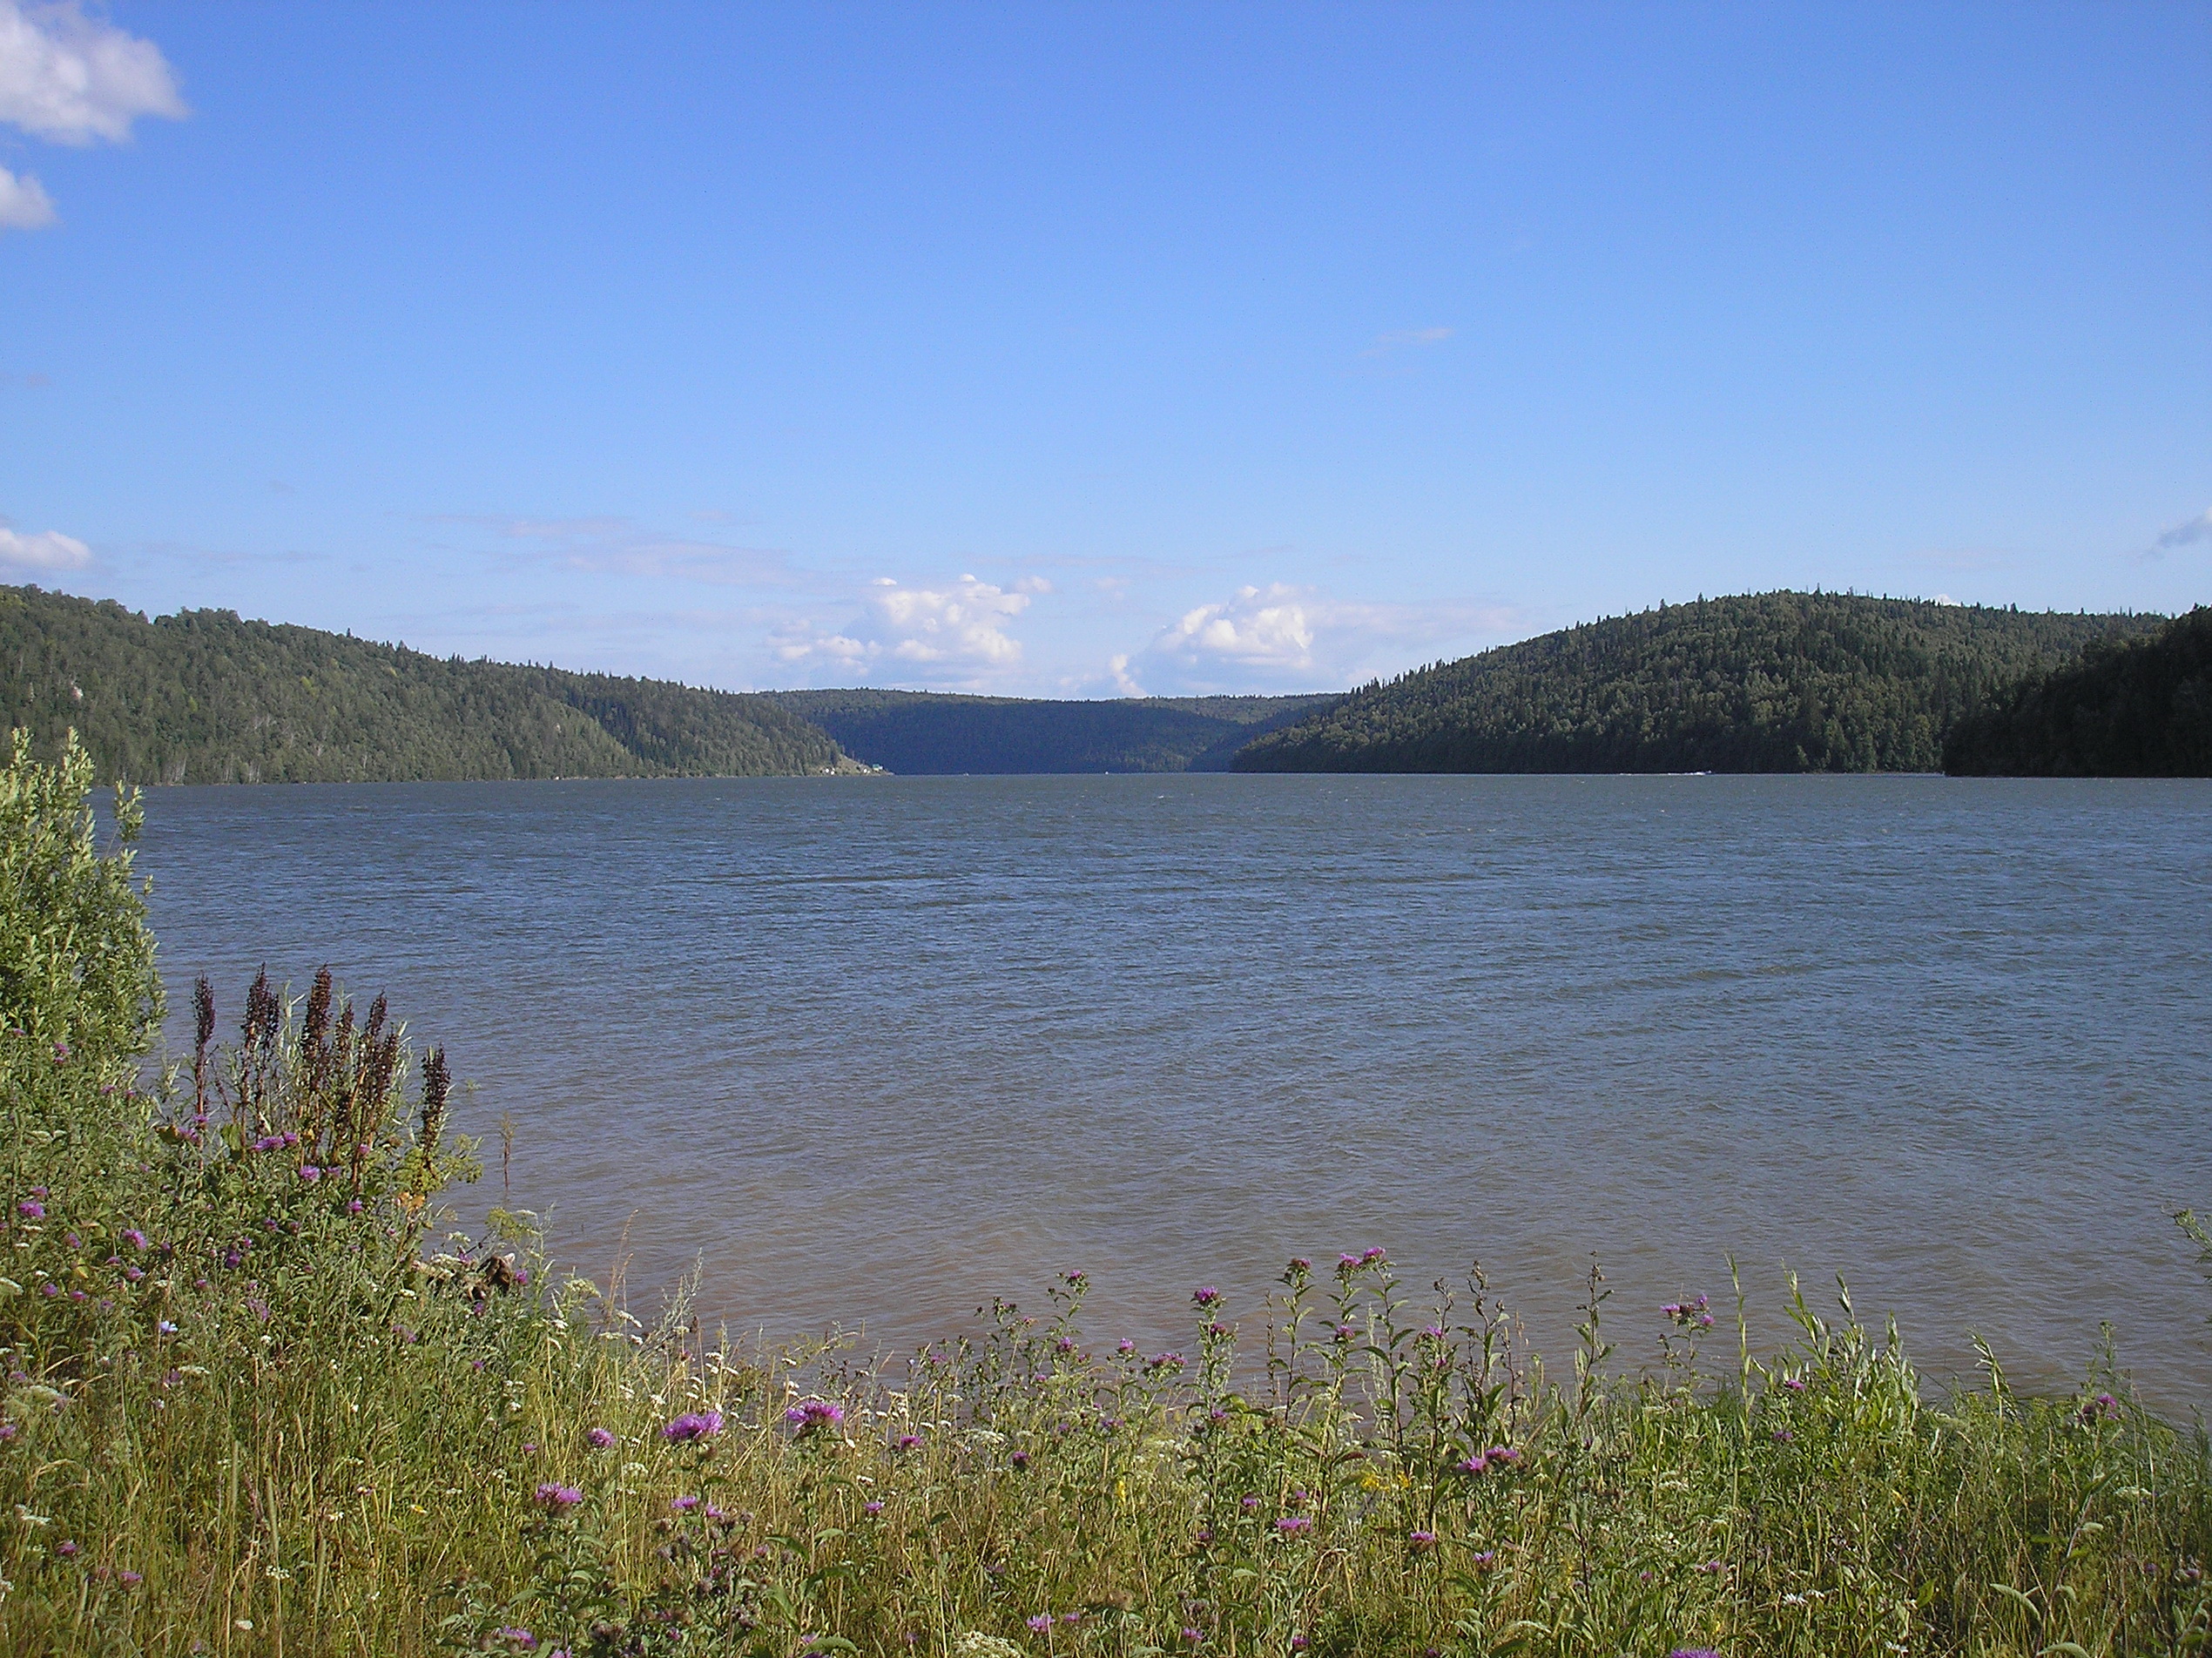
[260, 1400]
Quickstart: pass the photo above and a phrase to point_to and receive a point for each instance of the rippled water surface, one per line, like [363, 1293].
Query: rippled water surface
[874, 1050]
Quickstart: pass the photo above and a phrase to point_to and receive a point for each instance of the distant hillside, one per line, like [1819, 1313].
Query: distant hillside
[1769, 681]
[2131, 708]
[204, 698]
[920, 732]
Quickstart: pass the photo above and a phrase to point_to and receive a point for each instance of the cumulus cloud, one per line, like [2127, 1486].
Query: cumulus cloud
[956, 631]
[1265, 627]
[47, 551]
[24, 203]
[2189, 533]
[72, 79]
[1279, 636]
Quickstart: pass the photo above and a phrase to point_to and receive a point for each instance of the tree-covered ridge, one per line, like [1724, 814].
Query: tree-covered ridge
[1768, 682]
[931, 732]
[202, 697]
[2138, 707]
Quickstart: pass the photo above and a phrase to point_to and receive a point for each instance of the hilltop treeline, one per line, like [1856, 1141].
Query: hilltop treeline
[202, 697]
[2136, 707]
[1769, 681]
[924, 732]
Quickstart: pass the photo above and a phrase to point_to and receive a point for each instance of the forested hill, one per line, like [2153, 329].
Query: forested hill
[2133, 708]
[1768, 681]
[204, 698]
[912, 731]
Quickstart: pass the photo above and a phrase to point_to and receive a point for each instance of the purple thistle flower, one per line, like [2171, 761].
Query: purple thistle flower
[872, 1508]
[1345, 1262]
[693, 1427]
[129, 1579]
[134, 1237]
[906, 1442]
[1205, 1297]
[1300, 1264]
[66, 1547]
[1372, 1256]
[599, 1439]
[558, 1499]
[1421, 1543]
[1693, 1652]
[513, 1637]
[32, 1209]
[309, 1173]
[683, 1505]
[813, 1415]
[1041, 1622]
[268, 1142]
[1294, 1525]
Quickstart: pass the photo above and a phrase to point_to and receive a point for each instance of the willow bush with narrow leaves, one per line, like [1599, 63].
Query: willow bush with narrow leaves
[259, 1399]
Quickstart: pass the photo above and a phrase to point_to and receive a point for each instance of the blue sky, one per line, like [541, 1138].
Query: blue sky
[1073, 350]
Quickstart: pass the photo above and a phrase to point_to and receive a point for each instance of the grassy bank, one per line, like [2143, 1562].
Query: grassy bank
[260, 1400]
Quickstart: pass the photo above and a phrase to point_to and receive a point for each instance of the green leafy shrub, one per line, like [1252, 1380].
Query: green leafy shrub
[77, 972]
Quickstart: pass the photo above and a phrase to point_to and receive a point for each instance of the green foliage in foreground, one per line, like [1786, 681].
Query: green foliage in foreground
[936, 733]
[77, 967]
[256, 1403]
[1768, 681]
[2130, 708]
[202, 697]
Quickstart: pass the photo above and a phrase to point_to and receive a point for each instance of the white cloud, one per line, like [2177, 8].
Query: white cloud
[963, 623]
[1281, 636]
[957, 631]
[2188, 533]
[47, 551]
[72, 78]
[1261, 627]
[24, 203]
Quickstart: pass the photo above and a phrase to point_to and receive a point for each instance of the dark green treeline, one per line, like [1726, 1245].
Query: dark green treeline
[2130, 708]
[202, 697]
[1768, 681]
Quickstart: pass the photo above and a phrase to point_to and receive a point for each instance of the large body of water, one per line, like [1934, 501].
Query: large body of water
[874, 1050]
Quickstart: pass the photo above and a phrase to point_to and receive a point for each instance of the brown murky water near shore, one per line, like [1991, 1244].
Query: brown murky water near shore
[872, 1051]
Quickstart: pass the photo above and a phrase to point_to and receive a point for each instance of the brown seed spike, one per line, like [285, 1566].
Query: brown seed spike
[203, 1008]
[436, 1081]
[318, 1009]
